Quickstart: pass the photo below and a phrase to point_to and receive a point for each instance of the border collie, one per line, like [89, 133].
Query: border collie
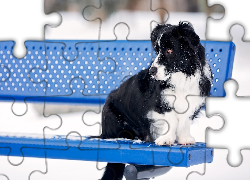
[143, 106]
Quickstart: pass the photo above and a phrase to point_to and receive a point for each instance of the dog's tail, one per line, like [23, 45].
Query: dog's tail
[96, 136]
[113, 171]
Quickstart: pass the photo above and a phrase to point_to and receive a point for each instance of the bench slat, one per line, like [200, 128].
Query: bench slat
[123, 151]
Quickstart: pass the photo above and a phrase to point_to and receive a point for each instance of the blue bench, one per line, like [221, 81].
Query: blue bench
[86, 72]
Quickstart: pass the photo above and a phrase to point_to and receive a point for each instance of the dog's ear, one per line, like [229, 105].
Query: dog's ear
[156, 33]
[144, 82]
[186, 30]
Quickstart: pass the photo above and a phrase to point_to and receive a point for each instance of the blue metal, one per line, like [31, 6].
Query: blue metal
[86, 72]
[122, 151]
[220, 56]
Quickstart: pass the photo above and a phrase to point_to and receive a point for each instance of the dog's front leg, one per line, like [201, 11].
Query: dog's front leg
[166, 129]
[183, 130]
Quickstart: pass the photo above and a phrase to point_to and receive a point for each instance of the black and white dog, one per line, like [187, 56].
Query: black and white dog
[136, 109]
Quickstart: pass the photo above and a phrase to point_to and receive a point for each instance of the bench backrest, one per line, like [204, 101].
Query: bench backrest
[86, 72]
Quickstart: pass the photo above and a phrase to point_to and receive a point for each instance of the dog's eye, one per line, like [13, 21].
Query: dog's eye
[169, 51]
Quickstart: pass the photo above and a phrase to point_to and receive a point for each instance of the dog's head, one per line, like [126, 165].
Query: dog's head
[178, 49]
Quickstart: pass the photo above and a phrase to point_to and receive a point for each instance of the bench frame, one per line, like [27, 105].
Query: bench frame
[124, 55]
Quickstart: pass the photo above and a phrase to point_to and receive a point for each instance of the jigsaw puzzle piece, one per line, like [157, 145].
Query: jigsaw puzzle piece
[201, 122]
[59, 169]
[130, 57]
[36, 144]
[181, 103]
[78, 81]
[85, 123]
[17, 88]
[218, 29]
[94, 117]
[17, 126]
[137, 54]
[176, 154]
[218, 55]
[183, 159]
[111, 13]
[241, 63]
[174, 173]
[198, 19]
[76, 148]
[15, 84]
[31, 14]
[231, 107]
[59, 72]
[76, 121]
[73, 26]
[10, 161]
[220, 160]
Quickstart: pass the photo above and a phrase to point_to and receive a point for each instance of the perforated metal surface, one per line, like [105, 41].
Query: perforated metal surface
[63, 75]
[220, 56]
[14, 80]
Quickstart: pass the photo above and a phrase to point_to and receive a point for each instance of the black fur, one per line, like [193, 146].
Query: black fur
[145, 96]
[125, 110]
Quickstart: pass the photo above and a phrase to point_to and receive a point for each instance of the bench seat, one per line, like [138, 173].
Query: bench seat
[94, 149]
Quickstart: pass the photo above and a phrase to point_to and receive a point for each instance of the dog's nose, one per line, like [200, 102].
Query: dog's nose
[153, 70]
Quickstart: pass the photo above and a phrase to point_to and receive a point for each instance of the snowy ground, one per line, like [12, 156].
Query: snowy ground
[67, 169]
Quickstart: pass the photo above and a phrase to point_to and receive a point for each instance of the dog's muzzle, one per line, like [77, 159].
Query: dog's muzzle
[153, 71]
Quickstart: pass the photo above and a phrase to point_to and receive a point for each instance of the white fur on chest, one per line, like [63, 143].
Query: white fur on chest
[177, 121]
[182, 87]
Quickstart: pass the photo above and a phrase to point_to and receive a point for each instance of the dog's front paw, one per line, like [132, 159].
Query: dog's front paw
[186, 140]
[166, 139]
